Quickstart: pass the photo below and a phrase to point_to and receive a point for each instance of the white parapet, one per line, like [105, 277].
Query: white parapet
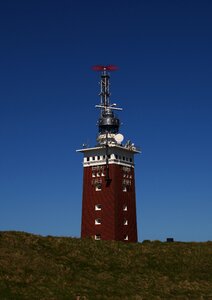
[114, 154]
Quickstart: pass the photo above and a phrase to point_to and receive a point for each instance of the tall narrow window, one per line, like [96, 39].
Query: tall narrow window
[124, 188]
[125, 208]
[126, 237]
[125, 222]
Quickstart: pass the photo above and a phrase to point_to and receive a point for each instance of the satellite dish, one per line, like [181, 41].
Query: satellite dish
[119, 138]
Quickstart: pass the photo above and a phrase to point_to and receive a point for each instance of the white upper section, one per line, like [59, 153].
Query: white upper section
[116, 155]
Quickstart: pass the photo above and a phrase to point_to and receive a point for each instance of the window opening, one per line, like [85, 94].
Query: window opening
[98, 207]
[98, 221]
[124, 188]
[98, 237]
[125, 208]
[98, 187]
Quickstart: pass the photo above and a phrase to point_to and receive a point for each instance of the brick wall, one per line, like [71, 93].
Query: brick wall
[112, 199]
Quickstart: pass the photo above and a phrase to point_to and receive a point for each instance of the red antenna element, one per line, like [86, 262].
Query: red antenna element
[112, 68]
[105, 68]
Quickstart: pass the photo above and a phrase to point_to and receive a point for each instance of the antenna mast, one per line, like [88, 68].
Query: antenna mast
[108, 122]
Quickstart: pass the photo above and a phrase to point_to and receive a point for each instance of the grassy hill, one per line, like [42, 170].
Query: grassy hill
[51, 268]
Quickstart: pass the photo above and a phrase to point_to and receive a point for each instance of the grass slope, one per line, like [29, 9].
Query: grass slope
[51, 268]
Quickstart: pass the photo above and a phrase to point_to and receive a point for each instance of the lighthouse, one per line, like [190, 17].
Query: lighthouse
[109, 200]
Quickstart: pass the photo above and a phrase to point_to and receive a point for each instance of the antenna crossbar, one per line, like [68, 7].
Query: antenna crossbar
[108, 107]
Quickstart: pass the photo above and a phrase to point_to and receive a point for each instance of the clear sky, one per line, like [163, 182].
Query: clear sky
[47, 97]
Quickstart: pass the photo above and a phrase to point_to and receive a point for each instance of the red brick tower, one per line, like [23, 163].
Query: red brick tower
[108, 204]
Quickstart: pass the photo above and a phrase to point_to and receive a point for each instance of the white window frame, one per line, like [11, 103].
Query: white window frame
[98, 207]
[98, 187]
[97, 237]
[98, 221]
[124, 189]
[125, 208]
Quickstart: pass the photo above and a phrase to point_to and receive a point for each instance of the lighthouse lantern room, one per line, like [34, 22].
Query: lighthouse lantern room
[108, 201]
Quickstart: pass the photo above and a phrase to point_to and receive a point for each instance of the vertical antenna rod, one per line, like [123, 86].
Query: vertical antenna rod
[105, 88]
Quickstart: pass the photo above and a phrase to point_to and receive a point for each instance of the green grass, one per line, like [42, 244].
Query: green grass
[51, 268]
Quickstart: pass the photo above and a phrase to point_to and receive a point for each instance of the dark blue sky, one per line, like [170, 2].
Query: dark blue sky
[47, 97]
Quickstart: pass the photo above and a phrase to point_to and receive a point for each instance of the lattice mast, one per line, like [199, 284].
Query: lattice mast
[108, 122]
